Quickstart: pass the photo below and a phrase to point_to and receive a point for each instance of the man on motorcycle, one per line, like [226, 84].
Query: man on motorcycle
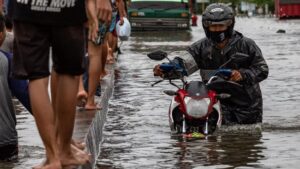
[213, 51]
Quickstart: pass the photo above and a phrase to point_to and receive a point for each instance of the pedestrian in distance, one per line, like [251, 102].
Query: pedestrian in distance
[97, 56]
[39, 25]
[209, 53]
[112, 45]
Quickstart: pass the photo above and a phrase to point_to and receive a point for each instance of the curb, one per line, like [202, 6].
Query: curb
[89, 124]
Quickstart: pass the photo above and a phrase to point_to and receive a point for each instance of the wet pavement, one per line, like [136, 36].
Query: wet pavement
[136, 131]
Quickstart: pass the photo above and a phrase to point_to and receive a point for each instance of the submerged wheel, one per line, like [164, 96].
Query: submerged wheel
[212, 121]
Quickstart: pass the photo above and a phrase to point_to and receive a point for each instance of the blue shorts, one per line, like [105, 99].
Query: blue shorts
[113, 22]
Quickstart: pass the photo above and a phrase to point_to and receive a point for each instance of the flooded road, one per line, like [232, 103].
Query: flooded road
[137, 134]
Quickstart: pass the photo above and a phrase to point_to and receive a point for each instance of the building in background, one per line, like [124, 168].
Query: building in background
[248, 8]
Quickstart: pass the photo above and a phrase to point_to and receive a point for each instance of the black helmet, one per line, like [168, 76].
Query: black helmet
[218, 13]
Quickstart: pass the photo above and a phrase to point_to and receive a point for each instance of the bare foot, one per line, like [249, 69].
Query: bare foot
[104, 73]
[39, 166]
[80, 153]
[110, 59]
[71, 167]
[46, 165]
[81, 98]
[92, 107]
[75, 157]
[79, 145]
[110, 56]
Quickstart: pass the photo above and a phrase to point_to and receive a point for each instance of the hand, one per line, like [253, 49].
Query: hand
[157, 71]
[92, 20]
[104, 11]
[121, 21]
[236, 76]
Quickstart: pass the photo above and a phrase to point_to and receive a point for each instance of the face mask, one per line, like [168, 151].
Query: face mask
[218, 37]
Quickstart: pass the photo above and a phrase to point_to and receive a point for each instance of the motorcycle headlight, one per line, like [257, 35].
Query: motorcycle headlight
[197, 107]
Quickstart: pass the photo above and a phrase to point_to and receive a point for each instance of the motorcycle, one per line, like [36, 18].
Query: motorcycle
[195, 109]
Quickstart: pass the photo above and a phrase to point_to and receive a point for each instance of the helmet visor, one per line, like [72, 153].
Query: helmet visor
[227, 22]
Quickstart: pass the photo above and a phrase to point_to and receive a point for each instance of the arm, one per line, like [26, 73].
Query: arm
[121, 8]
[92, 19]
[104, 10]
[258, 70]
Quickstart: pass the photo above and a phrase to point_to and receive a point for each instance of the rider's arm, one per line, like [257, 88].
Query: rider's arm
[187, 62]
[258, 69]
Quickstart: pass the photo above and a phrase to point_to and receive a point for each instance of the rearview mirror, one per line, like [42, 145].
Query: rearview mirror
[170, 92]
[157, 55]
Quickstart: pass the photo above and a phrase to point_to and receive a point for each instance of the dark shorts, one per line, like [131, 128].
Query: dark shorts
[8, 152]
[32, 45]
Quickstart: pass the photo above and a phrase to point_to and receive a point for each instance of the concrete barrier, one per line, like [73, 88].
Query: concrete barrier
[89, 124]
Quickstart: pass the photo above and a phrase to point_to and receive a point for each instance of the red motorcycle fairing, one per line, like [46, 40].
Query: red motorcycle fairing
[178, 109]
[196, 90]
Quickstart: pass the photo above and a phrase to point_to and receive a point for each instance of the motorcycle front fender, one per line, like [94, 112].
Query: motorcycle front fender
[217, 106]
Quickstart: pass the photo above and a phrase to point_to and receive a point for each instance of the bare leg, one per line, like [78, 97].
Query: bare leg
[81, 95]
[114, 43]
[44, 117]
[95, 67]
[104, 58]
[67, 87]
[54, 83]
[110, 52]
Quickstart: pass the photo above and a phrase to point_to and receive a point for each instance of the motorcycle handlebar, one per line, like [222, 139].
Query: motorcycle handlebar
[224, 73]
[172, 71]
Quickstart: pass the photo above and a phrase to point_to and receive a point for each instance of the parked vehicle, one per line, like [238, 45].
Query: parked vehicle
[287, 8]
[159, 14]
[195, 109]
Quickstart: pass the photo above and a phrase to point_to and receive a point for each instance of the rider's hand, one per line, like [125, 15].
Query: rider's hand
[236, 76]
[157, 71]
[104, 11]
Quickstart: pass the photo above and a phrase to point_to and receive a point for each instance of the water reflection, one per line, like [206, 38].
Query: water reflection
[225, 150]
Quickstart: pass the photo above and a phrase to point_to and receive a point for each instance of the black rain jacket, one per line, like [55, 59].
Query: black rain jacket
[254, 70]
